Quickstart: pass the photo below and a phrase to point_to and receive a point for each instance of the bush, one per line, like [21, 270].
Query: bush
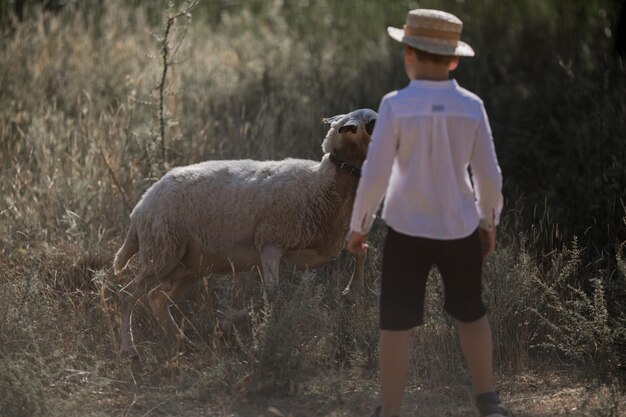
[22, 391]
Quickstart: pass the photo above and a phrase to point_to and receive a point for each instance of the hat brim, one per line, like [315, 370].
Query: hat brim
[460, 48]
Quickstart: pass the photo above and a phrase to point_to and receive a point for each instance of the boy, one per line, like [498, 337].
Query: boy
[426, 137]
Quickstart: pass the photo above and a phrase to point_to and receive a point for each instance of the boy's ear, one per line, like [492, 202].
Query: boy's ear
[409, 52]
[454, 63]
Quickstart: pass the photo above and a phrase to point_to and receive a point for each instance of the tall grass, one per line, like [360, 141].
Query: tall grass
[79, 143]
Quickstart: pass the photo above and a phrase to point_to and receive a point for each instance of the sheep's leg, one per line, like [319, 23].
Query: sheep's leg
[270, 261]
[184, 274]
[159, 304]
[126, 336]
[159, 301]
[225, 325]
[128, 303]
[130, 299]
[244, 288]
[164, 294]
[356, 284]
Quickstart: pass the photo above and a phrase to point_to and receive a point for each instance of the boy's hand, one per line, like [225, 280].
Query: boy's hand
[487, 241]
[356, 242]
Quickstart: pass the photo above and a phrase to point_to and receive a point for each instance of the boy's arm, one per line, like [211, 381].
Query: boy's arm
[486, 175]
[376, 171]
[487, 241]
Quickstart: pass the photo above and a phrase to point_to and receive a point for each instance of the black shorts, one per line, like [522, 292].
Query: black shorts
[407, 260]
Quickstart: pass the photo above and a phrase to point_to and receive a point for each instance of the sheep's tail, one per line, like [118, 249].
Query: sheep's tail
[128, 249]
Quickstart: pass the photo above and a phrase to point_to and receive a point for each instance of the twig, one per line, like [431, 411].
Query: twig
[164, 56]
[167, 56]
[115, 181]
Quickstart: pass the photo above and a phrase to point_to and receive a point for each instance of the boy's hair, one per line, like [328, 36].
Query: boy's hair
[437, 59]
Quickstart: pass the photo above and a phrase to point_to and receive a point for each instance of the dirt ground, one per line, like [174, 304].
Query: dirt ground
[526, 395]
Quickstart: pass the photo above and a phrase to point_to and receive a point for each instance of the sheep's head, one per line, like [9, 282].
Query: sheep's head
[349, 135]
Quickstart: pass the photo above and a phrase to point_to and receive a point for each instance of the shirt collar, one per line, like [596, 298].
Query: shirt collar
[434, 84]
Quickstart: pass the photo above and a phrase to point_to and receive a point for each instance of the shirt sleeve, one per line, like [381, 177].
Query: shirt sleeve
[486, 175]
[376, 170]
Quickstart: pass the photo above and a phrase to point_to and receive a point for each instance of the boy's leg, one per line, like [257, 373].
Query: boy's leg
[477, 349]
[393, 362]
[478, 352]
[460, 264]
[405, 270]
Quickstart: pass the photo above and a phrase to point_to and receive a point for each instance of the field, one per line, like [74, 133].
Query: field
[99, 99]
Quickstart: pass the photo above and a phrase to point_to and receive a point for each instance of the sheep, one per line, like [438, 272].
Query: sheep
[217, 217]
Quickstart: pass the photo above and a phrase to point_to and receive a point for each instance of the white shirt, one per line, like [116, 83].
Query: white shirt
[426, 137]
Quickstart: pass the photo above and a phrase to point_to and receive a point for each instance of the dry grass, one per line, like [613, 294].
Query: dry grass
[78, 145]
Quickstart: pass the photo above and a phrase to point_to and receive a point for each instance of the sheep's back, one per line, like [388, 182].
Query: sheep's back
[221, 202]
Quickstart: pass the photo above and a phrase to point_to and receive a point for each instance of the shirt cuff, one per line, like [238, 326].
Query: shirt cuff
[362, 225]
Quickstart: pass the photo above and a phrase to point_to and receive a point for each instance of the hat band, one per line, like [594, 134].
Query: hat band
[431, 33]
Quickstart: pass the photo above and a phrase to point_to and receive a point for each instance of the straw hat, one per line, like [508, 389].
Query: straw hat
[432, 31]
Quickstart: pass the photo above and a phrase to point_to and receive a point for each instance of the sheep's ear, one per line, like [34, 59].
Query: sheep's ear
[331, 120]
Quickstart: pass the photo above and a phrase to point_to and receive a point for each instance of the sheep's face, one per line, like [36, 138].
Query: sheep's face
[349, 134]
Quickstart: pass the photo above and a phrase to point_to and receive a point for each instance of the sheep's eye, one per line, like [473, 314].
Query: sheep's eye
[345, 129]
[369, 128]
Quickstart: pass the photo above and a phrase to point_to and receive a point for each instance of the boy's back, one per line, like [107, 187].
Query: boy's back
[427, 134]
